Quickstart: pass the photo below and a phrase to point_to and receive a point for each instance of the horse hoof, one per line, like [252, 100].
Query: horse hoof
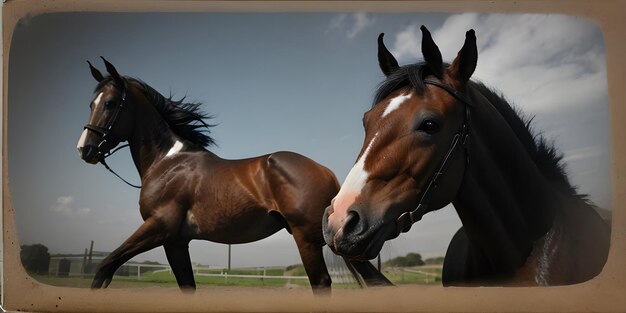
[188, 289]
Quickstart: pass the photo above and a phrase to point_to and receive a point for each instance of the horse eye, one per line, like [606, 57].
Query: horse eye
[108, 105]
[429, 126]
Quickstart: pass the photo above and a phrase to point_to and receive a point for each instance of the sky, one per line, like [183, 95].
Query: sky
[298, 82]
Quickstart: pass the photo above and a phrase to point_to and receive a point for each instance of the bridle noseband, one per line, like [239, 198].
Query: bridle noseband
[407, 219]
[106, 136]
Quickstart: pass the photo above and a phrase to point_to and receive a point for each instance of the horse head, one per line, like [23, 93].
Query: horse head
[413, 133]
[110, 121]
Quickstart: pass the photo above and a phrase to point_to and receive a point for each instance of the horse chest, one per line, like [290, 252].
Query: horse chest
[539, 269]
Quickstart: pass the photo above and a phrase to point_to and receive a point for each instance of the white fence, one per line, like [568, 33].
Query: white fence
[338, 275]
[198, 272]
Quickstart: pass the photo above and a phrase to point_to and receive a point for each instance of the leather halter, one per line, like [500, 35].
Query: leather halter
[106, 135]
[407, 219]
[106, 132]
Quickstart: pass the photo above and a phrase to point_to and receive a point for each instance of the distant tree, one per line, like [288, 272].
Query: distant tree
[436, 260]
[35, 258]
[411, 259]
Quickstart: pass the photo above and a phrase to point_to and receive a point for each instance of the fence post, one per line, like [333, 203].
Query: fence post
[138, 272]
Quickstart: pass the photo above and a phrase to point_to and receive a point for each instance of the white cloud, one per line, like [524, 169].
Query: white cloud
[541, 62]
[350, 24]
[64, 205]
[407, 45]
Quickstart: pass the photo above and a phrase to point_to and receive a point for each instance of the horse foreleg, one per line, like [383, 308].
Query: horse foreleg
[314, 265]
[178, 256]
[367, 274]
[148, 236]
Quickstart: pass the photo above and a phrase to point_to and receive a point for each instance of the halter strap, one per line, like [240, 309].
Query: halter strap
[106, 136]
[455, 93]
[105, 132]
[407, 219]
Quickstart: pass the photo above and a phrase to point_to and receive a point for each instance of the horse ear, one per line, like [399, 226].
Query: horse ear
[386, 61]
[465, 63]
[95, 73]
[113, 72]
[431, 53]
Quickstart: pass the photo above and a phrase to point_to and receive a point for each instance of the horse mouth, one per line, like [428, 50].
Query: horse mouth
[363, 247]
[90, 154]
[94, 159]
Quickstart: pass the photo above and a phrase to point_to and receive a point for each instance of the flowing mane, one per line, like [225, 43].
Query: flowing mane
[185, 119]
[545, 156]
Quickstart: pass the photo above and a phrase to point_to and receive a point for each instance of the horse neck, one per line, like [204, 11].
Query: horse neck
[151, 138]
[504, 202]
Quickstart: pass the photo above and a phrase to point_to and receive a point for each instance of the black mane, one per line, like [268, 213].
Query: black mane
[545, 156]
[185, 119]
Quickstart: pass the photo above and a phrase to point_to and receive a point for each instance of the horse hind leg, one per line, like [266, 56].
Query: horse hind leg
[178, 256]
[313, 260]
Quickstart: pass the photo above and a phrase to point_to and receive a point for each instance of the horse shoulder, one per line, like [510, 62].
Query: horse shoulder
[171, 179]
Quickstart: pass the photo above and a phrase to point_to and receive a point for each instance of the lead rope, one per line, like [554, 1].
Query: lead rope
[112, 171]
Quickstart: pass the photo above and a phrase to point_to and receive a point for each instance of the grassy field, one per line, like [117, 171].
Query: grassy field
[399, 276]
[413, 275]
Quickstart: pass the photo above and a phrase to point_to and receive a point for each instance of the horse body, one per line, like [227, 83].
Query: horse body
[521, 220]
[434, 137]
[240, 201]
[190, 193]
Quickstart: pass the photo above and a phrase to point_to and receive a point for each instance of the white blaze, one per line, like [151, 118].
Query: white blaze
[175, 148]
[357, 177]
[395, 104]
[97, 101]
[83, 136]
[81, 141]
[352, 186]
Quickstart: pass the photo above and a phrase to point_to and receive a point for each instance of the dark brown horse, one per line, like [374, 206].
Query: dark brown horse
[190, 193]
[433, 137]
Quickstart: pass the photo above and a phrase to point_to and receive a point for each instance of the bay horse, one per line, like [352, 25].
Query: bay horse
[434, 137]
[190, 193]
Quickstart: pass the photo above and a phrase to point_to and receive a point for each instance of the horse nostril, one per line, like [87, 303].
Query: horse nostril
[353, 223]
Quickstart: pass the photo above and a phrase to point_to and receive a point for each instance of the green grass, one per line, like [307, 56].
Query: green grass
[398, 276]
[413, 275]
[296, 271]
[167, 279]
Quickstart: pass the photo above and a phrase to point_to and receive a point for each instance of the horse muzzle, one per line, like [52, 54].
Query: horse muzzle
[354, 237]
[90, 154]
